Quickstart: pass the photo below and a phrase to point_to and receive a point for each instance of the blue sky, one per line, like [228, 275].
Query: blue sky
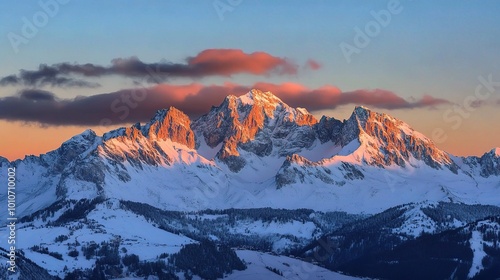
[452, 42]
[438, 48]
[445, 45]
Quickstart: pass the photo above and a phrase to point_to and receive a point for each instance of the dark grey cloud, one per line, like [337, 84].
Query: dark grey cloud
[44, 108]
[211, 62]
[36, 95]
[139, 105]
[45, 75]
[10, 80]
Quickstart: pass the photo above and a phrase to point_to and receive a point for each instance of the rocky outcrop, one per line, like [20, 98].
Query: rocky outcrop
[70, 150]
[297, 169]
[170, 124]
[257, 122]
[487, 165]
[329, 129]
[390, 141]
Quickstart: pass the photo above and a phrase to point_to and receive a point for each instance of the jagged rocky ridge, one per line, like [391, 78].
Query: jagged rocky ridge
[254, 143]
[255, 151]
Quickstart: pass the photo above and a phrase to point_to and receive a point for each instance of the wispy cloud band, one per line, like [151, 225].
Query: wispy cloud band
[210, 62]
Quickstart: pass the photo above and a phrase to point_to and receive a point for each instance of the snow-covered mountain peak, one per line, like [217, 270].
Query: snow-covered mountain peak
[3, 160]
[170, 112]
[78, 143]
[243, 117]
[258, 122]
[257, 101]
[385, 140]
[170, 124]
[361, 112]
[495, 152]
[303, 111]
[270, 107]
[256, 95]
[86, 136]
[364, 115]
[487, 165]
[167, 124]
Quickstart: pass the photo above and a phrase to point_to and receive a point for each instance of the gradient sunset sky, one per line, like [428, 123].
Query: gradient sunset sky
[71, 65]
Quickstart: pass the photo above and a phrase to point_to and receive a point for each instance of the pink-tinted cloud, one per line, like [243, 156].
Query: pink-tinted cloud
[313, 64]
[385, 99]
[138, 105]
[428, 100]
[234, 61]
[210, 62]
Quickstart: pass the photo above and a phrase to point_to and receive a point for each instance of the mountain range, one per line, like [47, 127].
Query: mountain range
[251, 152]
[256, 151]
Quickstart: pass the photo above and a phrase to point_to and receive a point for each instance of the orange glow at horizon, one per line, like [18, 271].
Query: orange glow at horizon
[19, 139]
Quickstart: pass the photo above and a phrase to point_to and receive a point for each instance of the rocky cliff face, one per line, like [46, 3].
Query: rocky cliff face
[297, 169]
[253, 139]
[487, 165]
[262, 124]
[257, 122]
[80, 166]
[140, 145]
[170, 124]
[389, 141]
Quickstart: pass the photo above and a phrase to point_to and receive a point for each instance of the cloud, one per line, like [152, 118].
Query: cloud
[226, 62]
[313, 64]
[139, 105]
[9, 80]
[428, 101]
[385, 99]
[45, 75]
[36, 95]
[329, 97]
[210, 62]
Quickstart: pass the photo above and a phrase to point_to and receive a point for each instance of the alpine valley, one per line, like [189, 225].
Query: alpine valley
[255, 189]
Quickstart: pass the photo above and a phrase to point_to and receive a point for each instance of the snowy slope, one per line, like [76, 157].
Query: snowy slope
[106, 223]
[478, 243]
[289, 267]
